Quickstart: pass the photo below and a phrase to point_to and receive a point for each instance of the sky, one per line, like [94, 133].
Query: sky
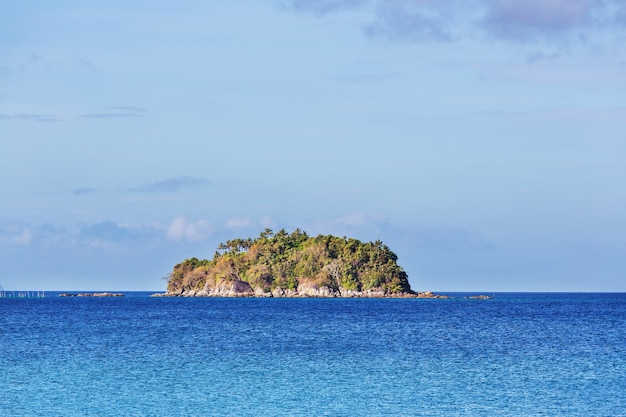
[483, 141]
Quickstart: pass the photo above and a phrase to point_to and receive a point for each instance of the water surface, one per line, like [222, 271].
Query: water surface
[515, 355]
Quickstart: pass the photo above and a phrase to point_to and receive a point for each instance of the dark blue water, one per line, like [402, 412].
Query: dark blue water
[516, 355]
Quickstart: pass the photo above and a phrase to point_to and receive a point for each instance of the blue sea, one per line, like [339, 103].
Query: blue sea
[519, 354]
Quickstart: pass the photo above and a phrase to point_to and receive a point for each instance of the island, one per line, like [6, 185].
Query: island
[294, 264]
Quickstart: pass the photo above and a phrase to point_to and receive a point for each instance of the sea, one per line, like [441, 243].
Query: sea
[517, 354]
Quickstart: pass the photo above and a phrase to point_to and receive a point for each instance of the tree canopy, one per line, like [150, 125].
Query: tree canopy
[286, 260]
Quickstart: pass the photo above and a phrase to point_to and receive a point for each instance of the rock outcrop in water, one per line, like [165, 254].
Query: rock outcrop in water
[480, 297]
[92, 294]
[294, 265]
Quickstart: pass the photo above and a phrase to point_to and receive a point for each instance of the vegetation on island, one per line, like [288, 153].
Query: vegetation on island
[286, 261]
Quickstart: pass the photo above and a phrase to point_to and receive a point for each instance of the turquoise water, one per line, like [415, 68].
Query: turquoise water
[516, 355]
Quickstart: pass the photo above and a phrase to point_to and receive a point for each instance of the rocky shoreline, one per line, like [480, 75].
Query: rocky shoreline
[243, 289]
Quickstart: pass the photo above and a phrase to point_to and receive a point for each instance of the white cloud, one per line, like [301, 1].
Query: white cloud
[239, 222]
[181, 229]
[356, 224]
[15, 234]
[322, 7]
[359, 218]
[25, 237]
[170, 185]
[268, 222]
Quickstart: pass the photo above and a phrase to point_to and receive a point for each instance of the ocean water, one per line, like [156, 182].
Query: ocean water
[515, 355]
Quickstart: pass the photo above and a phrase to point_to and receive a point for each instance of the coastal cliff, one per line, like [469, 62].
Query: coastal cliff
[294, 265]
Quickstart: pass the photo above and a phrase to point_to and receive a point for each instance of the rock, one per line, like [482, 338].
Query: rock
[94, 294]
[262, 293]
[238, 288]
[234, 288]
[429, 294]
[480, 297]
[312, 290]
[242, 289]
[278, 292]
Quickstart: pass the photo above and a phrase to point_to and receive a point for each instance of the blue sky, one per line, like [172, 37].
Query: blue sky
[484, 141]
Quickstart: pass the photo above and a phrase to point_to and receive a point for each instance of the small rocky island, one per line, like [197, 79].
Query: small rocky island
[92, 294]
[294, 264]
